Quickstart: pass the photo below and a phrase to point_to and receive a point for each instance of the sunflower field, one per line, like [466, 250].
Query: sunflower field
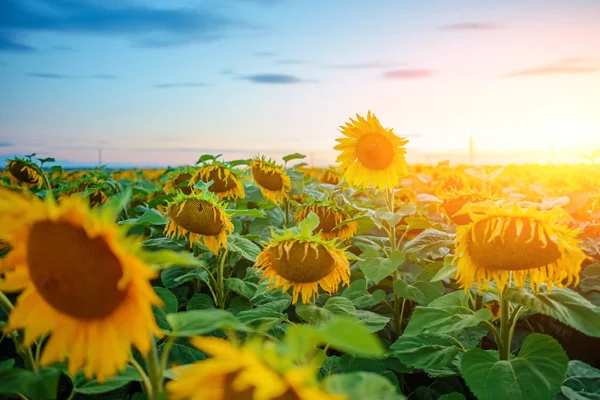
[263, 279]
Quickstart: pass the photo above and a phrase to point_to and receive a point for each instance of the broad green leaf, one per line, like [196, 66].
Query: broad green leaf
[339, 305]
[370, 242]
[115, 204]
[452, 396]
[360, 297]
[167, 258]
[202, 322]
[420, 292]
[150, 217]
[536, 373]
[248, 249]
[182, 354]
[430, 244]
[350, 336]
[446, 315]
[82, 386]
[175, 276]
[170, 306]
[293, 156]
[427, 350]
[372, 321]
[448, 271]
[590, 278]
[566, 305]
[200, 301]
[417, 223]
[582, 382]
[376, 268]
[243, 288]
[309, 224]
[362, 386]
[263, 318]
[253, 212]
[207, 157]
[313, 314]
[35, 386]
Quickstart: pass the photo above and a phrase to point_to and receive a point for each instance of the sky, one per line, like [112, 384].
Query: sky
[160, 82]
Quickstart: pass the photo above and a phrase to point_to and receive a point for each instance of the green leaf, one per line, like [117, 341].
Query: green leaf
[35, 386]
[116, 204]
[264, 318]
[420, 292]
[590, 278]
[202, 322]
[150, 217]
[243, 288]
[175, 276]
[207, 157]
[582, 382]
[448, 271]
[200, 301]
[350, 336]
[247, 249]
[167, 258]
[293, 156]
[566, 305]
[309, 223]
[82, 386]
[536, 373]
[430, 244]
[452, 396]
[427, 350]
[313, 314]
[360, 297]
[446, 315]
[362, 386]
[253, 212]
[170, 306]
[339, 306]
[372, 321]
[376, 268]
[181, 354]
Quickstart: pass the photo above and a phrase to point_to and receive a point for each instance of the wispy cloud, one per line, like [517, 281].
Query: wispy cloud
[573, 65]
[264, 54]
[6, 144]
[471, 26]
[227, 71]
[46, 75]
[273, 79]
[103, 76]
[143, 25]
[179, 85]
[9, 45]
[419, 73]
[292, 62]
[366, 65]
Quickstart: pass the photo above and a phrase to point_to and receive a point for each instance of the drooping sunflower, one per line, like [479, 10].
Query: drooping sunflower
[249, 372]
[329, 176]
[178, 182]
[201, 216]
[454, 200]
[82, 280]
[303, 261]
[330, 217]
[226, 183]
[274, 183]
[25, 171]
[511, 241]
[371, 154]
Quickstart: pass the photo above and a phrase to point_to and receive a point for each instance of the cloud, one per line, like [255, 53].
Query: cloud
[144, 26]
[179, 85]
[573, 65]
[10, 46]
[6, 144]
[273, 79]
[471, 26]
[367, 65]
[291, 62]
[103, 76]
[227, 71]
[409, 74]
[264, 54]
[46, 75]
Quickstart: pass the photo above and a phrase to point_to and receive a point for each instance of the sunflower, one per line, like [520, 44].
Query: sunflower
[25, 171]
[82, 280]
[178, 182]
[302, 260]
[330, 177]
[225, 184]
[250, 372]
[274, 183]
[201, 216]
[502, 242]
[371, 154]
[330, 218]
[454, 200]
[97, 198]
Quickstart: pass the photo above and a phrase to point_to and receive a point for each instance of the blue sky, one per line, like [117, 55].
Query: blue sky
[160, 82]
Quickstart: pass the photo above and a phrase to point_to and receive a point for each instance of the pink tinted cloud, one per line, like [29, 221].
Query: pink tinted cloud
[471, 26]
[419, 73]
[573, 65]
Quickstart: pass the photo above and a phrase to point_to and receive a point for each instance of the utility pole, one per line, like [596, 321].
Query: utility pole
[471, 151]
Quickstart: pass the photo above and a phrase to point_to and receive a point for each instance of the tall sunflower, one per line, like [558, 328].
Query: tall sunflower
[502, 242]
[201, 216]
[25, 171]
[303, 261]
[272, 180]
[250, 372]
[82, 280]
[330, 217]
[370, 153]
[226, 183]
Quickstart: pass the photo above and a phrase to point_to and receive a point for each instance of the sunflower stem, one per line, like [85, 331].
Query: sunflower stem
[154, 372]
[24, 352]
[505, 329]
[221, 280]
[168, 344]
[145, 379]
[398, 309]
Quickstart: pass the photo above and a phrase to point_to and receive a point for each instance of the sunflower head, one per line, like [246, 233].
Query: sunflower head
[255, 370]
[179, 181]
[454, 200]
[226, 184]
[81, 279]
[301, 260]
[331, 218]
[273, 181]
[201, 216]
[370, 153]
[25, 171]
[501, 242]
[330, 176]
